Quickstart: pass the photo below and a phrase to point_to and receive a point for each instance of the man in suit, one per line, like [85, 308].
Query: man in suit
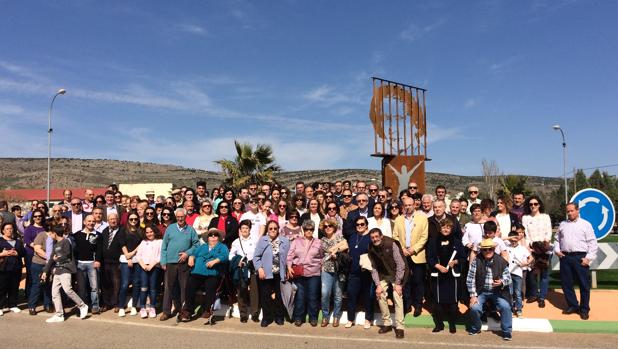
[439, 214]
[110, 245]
[411, 230]
[76, 215]
[349, 225]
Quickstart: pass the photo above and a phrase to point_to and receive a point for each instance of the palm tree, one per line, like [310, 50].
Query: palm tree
[249, 166]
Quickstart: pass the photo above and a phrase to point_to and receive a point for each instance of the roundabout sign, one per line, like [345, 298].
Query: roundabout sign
[597, 208]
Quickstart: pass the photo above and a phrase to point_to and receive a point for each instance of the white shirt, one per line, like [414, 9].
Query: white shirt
[473, 234]
[257, 220]
[504, 223]
[99, 227]
[248, 246]
[316, 221]
[76, 222]
[517, 255]
[385, 226]
[538, 228]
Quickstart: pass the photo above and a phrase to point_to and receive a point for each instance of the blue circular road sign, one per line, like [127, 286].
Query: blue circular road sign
[597, 208]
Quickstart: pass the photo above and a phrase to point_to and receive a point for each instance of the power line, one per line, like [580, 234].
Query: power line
[593, 168]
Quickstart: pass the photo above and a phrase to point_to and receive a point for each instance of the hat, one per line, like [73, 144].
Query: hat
[487, 243]
[204, 236]
[150, 192]
[175, 191]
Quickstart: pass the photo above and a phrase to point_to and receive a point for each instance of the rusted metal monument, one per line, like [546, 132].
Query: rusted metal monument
[399, 119]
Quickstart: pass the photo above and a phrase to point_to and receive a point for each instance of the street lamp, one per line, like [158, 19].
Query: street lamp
[49, 134]
[566, 188]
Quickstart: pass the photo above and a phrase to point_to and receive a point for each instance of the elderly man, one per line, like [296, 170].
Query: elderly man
[349, 225]
[411, 230]
[439, 214]
[190, 210]
[489, 279]
[109, 249]
[76, 215]
[455, 211]
[178, 242]
[427, 205]
[373, 193]
[346, 206]
[388, 269]
[412, 188]
[473, 197]
[576, 246]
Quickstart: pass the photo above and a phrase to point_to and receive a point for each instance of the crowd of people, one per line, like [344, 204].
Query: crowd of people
[287, 254]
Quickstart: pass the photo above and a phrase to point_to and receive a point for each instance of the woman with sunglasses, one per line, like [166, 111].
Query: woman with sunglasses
[238, 208]
[380, 221]
[360, 285]
[37, 225]
[202, 222]
[167, 218]
[299, 204]
[12, 251]
[227, 224]
[281, 212]
[269, 261]
[537, 225]
[332, 286]
[40, 245]
[292, 228]
[208, 264]
[332, 213]
[394, 211]
[305, 258]
[128, 272]
[284, 194]
[150, 217]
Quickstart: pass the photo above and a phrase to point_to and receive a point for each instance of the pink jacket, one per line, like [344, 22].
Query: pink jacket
[310, 258]
[149, 252]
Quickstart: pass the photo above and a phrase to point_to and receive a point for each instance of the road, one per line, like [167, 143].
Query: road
[109, 331]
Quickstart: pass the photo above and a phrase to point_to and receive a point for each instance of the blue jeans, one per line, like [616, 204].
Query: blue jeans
[149, 286]
[129, 275]
[36, 287]
[534, 290]
[571, 268]
[360, 288]
[506, 316]
[516, 292]
[87, 274]
[331, 285]
[306, 300]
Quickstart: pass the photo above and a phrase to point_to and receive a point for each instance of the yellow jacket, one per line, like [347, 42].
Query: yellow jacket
[418, 240]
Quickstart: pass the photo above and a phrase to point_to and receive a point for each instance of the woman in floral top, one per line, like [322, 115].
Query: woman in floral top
[332, 244]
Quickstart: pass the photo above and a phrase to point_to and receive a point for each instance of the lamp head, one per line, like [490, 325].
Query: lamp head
[61, 91]
[556, 127]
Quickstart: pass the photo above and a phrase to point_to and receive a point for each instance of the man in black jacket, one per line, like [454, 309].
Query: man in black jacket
[109, 250]
[439, 214]
[364, 209]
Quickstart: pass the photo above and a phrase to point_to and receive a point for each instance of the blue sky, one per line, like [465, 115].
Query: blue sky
[178, 82]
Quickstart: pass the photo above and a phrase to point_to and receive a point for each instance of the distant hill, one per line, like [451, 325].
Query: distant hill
[26, 173]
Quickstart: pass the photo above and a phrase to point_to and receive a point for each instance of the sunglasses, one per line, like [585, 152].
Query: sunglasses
[394, 207]
[534, 204]
[332, 208]
[473, 192]
[273, 229]
[238, 203]
[166, 214]
[486, 249]
[37, 216]
[293, 217]
[133, 219]
[282, 205]
[412, 187]
[207, 205]
[360, 224]
[347, 196]
[149, 213]
[77, 204]
[373, 190]
[213, 235]
[328, 226]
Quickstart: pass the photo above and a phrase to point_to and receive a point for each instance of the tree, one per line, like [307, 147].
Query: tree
[491, 176]
[513, 184]
[581, 181]
[249, 166]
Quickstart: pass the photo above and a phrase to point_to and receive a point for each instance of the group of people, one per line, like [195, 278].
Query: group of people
[283, 253]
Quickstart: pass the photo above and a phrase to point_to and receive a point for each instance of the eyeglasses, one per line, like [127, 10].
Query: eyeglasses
[149, 213]
[77, 203]
[282, 205]
[360, 224]
[133, 219]
[382, 196]
[361, 200]
[293, 217]
[534, 204]
[273, 228]
[473, 192]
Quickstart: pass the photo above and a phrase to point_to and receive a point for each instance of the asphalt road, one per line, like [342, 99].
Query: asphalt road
[109, 331]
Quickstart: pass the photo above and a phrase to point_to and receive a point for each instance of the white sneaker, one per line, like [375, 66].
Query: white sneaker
[367, 324]
[56, 318]
[349, 324]
[133, 311]
[121, 313]
[143, 313]
[83, 311]
[152, 313]
[15, 310]
[1, 312]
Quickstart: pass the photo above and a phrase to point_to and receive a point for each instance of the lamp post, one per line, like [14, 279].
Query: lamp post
[566, 188]
[49, 134]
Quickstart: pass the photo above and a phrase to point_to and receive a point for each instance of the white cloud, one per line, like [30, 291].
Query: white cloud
[414, 32]
[437, 133]
[470, 103]
[501, 66]
[192, 29]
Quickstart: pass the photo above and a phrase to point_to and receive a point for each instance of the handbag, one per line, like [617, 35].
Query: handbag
[299, 269]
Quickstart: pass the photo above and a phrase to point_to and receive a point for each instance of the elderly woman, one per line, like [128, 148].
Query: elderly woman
[208, 263]
[332, 286]
[270, 260]
[11, 251]
[304, 261]
[243, 275]
[292, 228]
[445, 257]
[360, 287]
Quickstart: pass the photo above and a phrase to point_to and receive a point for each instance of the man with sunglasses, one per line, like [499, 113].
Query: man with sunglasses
[473, 197]
[489, 279]
[363, 210]
[76, 215]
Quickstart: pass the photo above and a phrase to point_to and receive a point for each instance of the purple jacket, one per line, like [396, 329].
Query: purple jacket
[310, 256]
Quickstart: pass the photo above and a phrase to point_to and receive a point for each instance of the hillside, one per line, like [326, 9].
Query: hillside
[20, 173]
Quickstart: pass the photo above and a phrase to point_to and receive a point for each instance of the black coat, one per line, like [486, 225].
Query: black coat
[231, 229]
[445, 287]
[349, 224]
[12, 263]
[434, 227]
[110, 254]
